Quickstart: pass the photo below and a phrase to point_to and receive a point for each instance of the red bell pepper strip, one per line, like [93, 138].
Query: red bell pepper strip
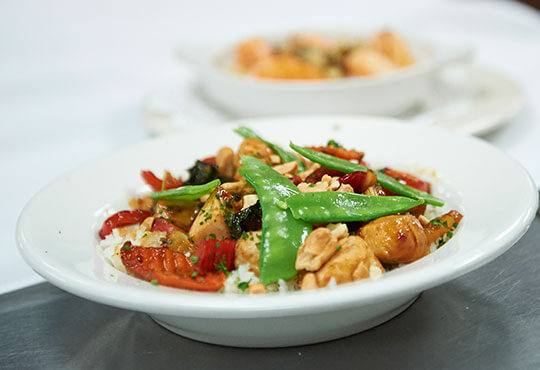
[407, 179]
[213, 255]
[339, 152]
[168, 182]
[123, 218]
[169, 268]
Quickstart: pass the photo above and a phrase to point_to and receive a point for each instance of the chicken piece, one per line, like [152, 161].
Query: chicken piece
[152, 239]
[352, 252]
[146, 203]
[247, 251]
[393, 46]
[318, 247]
[288, 168]
[226, 163]
[363, 61]
[252, 51]
[257, 288]
[396, 239]
[210, 220]
[309, 282]
[255, 148]
[440, 226]
[285, 67]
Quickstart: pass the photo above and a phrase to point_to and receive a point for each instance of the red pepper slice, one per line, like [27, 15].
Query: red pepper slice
[161, 224]
[123, 218]
[318, 174]
[407, 179]
[210, 160]
[340, 152]
[359, 180]
[167, 268]
[168, 182]
[212, 253]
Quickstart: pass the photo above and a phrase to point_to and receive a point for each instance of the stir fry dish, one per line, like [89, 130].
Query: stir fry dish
[267, 219]
[313, 56]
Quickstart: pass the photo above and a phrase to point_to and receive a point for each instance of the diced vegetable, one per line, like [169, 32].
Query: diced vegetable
[359, 180]
[168, 182]
[386, 181]
[188, 192]
[285, 156]
[333, 206]
[162, 266]
[202, 172]
[123, 218]
[214, 255]
[282, 234]
[248, 219]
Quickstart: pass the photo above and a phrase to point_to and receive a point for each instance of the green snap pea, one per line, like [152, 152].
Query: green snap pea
[188, 192]
[333, 206]
[334, 163]
[285, 156]
[282, 234]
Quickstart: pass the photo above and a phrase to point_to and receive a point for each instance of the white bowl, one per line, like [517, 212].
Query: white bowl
[57, 230]
[386, 94]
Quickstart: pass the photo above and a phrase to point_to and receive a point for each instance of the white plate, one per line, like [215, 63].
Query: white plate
[474, 100]
[57, 236]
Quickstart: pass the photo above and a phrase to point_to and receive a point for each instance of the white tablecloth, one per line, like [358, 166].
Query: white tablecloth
[72, 74]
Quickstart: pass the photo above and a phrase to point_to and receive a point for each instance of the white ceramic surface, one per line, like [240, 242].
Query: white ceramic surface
[56, 231]
[245, 96]
[475, 100]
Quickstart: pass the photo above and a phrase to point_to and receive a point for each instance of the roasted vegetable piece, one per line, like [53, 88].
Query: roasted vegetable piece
[214, 255]
[123, 218]
[334, 206]
[168, 182]
[188, 192]
[359, 180]
[408, 179]
[338, 151]
[282, 234]
[161, 224]
[165, 267]
[203, 172]
[386, 181]
[249, 219]
[285, 156]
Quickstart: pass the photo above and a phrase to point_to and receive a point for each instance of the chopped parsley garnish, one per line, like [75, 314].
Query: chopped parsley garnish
[212, 236]
[338, 248]
[258, 245]
[245, 235]
[194, 259]
[455, 225]
[222, 265]
[449, 234]
[218, 244]
[126, 246]
[154, 282]
[438, 222]
[311, 185]
[334, 144]
[194, 275]
[243, 285]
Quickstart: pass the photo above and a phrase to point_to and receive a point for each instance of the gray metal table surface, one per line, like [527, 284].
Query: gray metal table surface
[487, 319]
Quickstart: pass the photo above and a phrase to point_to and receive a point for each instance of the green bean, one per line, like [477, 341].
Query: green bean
[334, 163]
[282, 234]
[333, 206]
[188, 192]
[285, 156]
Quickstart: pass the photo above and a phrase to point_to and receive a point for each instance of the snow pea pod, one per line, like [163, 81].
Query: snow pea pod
[282, 234]
[188, 192]
[387, 182]
[333, 206]
[286, 156]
